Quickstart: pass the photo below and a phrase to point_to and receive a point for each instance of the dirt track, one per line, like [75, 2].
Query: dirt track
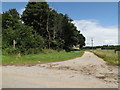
[88, 71]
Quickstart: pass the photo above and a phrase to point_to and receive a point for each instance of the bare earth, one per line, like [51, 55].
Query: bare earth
[88, 71]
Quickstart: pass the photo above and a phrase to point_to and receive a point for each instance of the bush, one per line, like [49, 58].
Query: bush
[28, 42]
[48, 51]
[10, 50]
[33, 51]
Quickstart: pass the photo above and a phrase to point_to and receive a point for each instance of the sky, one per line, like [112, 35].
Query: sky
[97, 20]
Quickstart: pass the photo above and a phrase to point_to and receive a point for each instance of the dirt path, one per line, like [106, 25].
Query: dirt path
[88, 71]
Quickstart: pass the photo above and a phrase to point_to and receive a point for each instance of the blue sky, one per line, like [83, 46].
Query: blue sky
[105, 12]
[101, 16]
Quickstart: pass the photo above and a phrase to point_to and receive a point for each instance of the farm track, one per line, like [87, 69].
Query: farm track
[88, 71]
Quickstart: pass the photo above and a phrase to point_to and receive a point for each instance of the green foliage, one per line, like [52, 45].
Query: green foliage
[105, 47]
[47, 51]
[26, 38]
[8, 35]
[27, 42]
[35, 15]
[52, 26]
[38, 28]
[10, 18]
[10, 50]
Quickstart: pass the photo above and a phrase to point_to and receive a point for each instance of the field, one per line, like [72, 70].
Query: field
[50, 56]
[108, 55]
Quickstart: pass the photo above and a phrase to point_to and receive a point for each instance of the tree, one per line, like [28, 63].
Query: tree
[37, 15]
[81, 40]
[27, 39]
[25, 36]
[10, 18]
[57, 29]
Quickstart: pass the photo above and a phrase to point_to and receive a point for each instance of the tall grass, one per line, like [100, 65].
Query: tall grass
[46, 56]
[108, 55]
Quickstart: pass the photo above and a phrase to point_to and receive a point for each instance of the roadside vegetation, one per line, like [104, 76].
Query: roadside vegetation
[110, 56]
[39, 29]
[44, 57]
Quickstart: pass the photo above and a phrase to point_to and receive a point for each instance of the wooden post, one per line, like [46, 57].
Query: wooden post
[14, 42]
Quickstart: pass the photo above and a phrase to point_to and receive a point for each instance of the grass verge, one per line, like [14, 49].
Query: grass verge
[40, 58]
[108, 55]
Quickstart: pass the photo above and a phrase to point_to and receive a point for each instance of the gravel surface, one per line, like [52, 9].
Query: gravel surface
[87, 71]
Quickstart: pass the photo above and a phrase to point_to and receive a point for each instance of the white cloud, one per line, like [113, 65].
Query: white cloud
[21, 10]
[101, 35]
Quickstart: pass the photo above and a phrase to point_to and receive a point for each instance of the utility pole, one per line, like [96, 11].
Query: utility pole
[92, 42]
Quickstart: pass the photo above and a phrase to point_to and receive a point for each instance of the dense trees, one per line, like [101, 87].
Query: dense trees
[43, 28]
[23, 35]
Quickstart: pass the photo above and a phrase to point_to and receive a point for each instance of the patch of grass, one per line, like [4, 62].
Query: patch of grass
[49, 56]
[108, 55]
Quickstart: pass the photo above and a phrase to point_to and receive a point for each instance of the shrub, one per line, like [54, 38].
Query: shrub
[10, 50]
[28, 42]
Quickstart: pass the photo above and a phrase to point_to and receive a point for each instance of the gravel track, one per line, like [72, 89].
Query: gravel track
[88, 71]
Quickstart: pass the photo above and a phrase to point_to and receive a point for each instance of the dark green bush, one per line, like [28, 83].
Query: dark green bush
[27, 42]
[10, 50]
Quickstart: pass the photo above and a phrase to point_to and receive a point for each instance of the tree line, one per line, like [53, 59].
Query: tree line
[104, 47]
[39, 27]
